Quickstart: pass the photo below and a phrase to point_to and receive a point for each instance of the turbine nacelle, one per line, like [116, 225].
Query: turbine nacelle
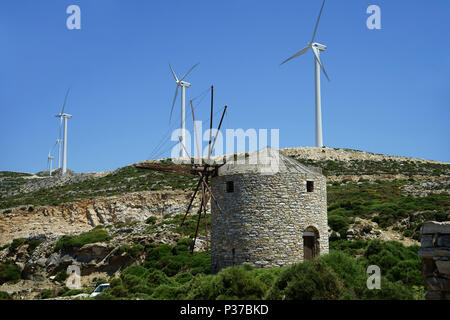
[320, 47]
[184, 84]
[64, 115]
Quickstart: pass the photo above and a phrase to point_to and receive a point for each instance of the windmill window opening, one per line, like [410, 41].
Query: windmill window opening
[230, 186]
[310, 186]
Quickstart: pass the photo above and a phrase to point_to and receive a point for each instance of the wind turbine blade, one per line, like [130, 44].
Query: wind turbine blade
[316, 55]
[317, 22]
[182, 78]
[173, 73]
[173, 103]
[65, 100]
[297, 54]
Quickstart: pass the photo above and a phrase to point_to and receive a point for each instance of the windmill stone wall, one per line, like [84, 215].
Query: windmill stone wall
[264, 215]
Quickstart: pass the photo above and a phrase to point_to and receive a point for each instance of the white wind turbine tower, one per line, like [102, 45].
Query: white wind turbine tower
[183, 85]
[63, 116]
[50, 163]
[316, 49]
[60, 140]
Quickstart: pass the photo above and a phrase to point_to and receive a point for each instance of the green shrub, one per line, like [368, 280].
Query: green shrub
[47, 294]
[183, 277]
[32, 245]
[151, 220]
[137, 281]
[268, 276]
[230, 283]
[5, 296]
[72, 292]
[202, 287]
[9, 272]
[238, 283]
[167, 292]
[116, 289]
[16, 243]
[157, 278]
[350, 271]
[172, 260]
[400, 267]
[132, 251]
[68, 243]
[407, 271]
[310, 280]
[61, 276]
[339, 224]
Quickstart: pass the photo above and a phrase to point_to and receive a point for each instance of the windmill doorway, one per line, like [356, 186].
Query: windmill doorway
[310, 243]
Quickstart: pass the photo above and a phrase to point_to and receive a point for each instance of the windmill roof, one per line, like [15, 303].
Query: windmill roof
[264, 161]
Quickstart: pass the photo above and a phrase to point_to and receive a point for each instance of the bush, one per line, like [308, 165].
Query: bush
[167, 292]
[310, 280]
[400, 267]
[151, 220]
[68, 243]
[238, 283]
[183, 277]
[61, 276]
[132, 251]
[339, 224]
[116, 289]
[157, 278]
[72, 292]
[5, 296]
[16, 243]
[202, 287]
[407, 271]
[232, 283]
[9, 272]
[137, 281]
[32, 245]
[350, 271]
[172, 260]
[46, 294]
[268, 276]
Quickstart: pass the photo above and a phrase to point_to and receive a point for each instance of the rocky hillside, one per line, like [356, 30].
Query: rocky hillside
[345, 162]
[370, 196]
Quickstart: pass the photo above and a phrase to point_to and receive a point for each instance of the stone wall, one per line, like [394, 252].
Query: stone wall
[263, 220]
[435, 255]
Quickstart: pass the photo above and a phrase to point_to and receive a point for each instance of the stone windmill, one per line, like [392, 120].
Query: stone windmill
[272, 218]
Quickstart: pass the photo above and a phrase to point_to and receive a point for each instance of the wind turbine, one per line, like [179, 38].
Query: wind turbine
[49, 163]
[63, 123]
[183, 85]
[60, 140]
[316, 49]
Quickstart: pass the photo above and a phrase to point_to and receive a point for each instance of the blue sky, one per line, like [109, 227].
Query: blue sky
[389, 90]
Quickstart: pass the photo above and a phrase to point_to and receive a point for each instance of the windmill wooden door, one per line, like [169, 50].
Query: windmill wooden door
[308, 247]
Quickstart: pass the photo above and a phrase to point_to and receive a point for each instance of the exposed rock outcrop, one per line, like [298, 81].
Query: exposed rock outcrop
[73, 217]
